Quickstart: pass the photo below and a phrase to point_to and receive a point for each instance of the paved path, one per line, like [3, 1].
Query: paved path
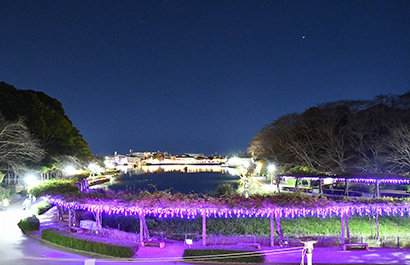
[17, 248]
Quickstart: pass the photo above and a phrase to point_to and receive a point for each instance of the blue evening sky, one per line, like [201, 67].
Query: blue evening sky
[200, 75]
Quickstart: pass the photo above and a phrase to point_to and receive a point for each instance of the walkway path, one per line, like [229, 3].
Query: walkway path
[18, 248]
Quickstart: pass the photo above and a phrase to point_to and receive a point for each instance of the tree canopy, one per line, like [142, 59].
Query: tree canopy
[46, 120]
[342, 137]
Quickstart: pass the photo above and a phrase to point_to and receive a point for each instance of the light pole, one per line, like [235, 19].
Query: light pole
[308, 249]
[271, 169]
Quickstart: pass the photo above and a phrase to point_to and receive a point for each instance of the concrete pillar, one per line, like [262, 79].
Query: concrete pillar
[272, 230]
[377, 188]
[141, 232]
[342, 239]
[204, 228]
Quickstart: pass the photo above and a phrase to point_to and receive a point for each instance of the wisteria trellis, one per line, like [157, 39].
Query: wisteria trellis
[189, 211]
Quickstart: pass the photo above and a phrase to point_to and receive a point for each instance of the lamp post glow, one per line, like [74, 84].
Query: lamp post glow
[30, 180]
[70, 170]
[308, 249]
[271, 169]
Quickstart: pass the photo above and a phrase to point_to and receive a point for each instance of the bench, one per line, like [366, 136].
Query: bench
[355, 246]
[153, 243]
[256, 245]
[85, 226]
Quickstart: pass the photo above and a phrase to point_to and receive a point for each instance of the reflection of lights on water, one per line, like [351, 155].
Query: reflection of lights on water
[236, 161]
[233, 171]
[186, 168]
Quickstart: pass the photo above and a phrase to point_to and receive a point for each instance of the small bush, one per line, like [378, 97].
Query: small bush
[30, 223]
[245, 254]
[44, 207]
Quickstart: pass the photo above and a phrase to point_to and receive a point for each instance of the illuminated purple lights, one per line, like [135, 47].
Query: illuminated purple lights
[396, 181]
[190, 211]
[372, 181]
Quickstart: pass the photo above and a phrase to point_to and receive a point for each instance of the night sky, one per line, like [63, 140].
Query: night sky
[200, 76]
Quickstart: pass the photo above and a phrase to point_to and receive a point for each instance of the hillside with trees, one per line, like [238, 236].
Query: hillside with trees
[341, 138]
[17, 146]
[45, 119]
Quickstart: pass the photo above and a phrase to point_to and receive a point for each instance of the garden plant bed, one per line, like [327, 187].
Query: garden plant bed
[228, 254]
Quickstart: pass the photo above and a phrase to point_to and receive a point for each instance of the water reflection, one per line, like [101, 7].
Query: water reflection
[144, 169]
[182, 178]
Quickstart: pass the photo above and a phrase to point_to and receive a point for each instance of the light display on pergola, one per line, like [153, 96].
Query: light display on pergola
[370, 179]
[218, 208]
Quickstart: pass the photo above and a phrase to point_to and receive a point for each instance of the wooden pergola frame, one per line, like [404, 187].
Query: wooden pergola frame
[342, 210]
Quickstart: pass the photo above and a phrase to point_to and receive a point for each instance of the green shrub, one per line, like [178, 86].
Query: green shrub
[245, 254]
[55, 187]
[90, 244]
[30, 223]
[43, 207]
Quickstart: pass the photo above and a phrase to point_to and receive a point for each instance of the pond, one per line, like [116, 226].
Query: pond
[184, 179]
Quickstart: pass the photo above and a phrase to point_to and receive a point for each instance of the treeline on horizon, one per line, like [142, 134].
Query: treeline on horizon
[340, 138]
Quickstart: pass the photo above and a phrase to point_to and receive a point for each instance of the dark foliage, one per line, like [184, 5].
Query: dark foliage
[342, 137]
[46, 120]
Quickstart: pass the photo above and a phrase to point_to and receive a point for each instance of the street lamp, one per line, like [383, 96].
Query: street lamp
[70, 170]
[30, 180]
[271, 169]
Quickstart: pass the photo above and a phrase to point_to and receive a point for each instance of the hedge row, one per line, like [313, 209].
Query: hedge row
[70, 240]
[232, 254]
